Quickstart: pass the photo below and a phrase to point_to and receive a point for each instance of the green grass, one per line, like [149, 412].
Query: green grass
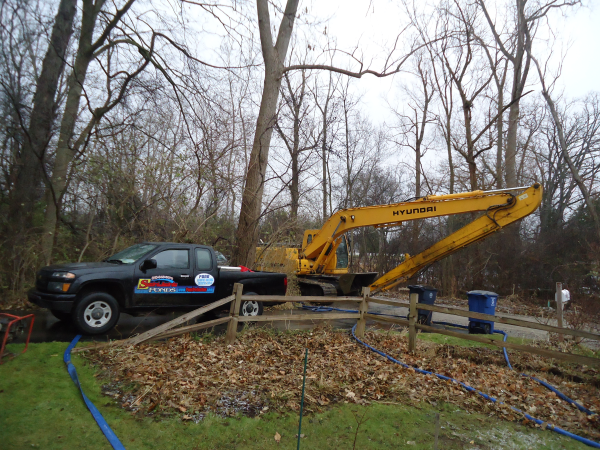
[451, 340]
[40, 407]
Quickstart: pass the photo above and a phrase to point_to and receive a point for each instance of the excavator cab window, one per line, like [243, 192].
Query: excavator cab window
[309, 239]
[342, 254]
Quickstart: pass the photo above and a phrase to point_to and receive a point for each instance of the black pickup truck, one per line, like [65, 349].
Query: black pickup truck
[149, 276]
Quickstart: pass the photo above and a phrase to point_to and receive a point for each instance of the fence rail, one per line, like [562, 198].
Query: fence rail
[174, 328]
[497, 318]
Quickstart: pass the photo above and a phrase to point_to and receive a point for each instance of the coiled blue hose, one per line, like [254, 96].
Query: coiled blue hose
[467, 387]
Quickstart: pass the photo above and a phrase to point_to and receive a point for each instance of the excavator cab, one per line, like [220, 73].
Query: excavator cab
[340, 260]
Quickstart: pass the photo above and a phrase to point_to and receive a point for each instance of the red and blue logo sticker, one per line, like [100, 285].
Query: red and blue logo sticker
[162, 284]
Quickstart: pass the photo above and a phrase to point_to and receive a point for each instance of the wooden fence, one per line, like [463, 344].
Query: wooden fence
[173, 328]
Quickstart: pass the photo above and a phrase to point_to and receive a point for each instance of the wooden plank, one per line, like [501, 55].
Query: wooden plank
[389, 302]
[577, 359]
[364, 307]
[190, 328]
[178, 321]
[412, 319]
[300, 317]
[166, 334]
[497, 318]
[238, 288]
[498, 343]
[509, 321]
[299, 298]
[395, 320]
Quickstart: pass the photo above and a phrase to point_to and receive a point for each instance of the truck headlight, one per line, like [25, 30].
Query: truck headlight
[57, 286]
[64, 275]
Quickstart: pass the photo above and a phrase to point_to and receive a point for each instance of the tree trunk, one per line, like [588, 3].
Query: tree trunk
[415, 223]
[381, 254]
[64, 151]
[294, 190]
[324, 156]
[511, 145]
[30, 176]
[500, 143]
[274, 57]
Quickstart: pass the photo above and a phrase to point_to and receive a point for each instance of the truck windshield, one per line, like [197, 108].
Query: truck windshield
[131, 254]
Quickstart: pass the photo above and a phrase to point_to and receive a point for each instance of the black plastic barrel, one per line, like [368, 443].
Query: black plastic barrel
[427, 295]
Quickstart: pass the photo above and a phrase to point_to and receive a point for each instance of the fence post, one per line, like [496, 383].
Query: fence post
[559, 310]
[234, 313]
[412, 319]
[364, 308]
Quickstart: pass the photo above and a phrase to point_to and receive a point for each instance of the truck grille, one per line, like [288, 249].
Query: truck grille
[41, 281]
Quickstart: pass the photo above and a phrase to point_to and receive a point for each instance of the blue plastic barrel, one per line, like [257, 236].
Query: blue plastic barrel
[427, 295]
[482, 302]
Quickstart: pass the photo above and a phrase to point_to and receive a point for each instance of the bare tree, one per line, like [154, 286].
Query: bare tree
[327, 108]
[87, 50]
[274, 57]
[413, 123]
[29, 177]
[517, 48]
[302, 139]
[565, 149]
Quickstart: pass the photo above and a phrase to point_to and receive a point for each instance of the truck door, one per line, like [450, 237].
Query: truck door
[169, 283]
[205, 276]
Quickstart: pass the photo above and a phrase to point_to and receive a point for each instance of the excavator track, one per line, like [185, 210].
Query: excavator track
[314, 287]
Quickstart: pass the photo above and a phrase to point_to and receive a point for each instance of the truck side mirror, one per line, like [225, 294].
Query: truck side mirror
[148, 264]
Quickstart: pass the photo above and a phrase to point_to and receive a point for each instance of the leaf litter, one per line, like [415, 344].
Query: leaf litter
[262, 371]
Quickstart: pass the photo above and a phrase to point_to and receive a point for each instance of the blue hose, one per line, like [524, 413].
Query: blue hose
[468, 388]
[545, 384]
[104, 427]
[487, 397]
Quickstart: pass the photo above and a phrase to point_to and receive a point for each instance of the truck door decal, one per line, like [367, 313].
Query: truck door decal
[165, 285]
[204, 279]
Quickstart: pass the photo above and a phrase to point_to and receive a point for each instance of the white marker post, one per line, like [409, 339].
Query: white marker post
[559, 309]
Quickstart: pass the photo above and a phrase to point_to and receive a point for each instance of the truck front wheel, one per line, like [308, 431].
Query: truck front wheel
[251, 308]
[96, 313]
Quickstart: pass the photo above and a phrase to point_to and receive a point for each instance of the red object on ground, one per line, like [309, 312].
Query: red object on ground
[10, 324]
[246, 269]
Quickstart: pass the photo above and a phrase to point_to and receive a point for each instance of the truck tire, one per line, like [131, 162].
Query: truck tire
[251, 308]
[61, 315]
[96, 313]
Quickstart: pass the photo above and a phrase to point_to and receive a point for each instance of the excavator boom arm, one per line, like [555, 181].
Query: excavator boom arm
[501, 209]
[479, 229]
[394, 214]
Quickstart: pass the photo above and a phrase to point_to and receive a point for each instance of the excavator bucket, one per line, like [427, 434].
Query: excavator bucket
[352, 283]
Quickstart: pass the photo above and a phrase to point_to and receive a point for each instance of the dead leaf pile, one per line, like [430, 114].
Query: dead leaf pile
[262, 372]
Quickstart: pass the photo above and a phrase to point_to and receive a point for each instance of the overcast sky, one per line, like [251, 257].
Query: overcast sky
[353, 24]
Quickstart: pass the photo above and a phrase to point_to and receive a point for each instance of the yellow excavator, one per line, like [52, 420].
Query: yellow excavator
[321, 263]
